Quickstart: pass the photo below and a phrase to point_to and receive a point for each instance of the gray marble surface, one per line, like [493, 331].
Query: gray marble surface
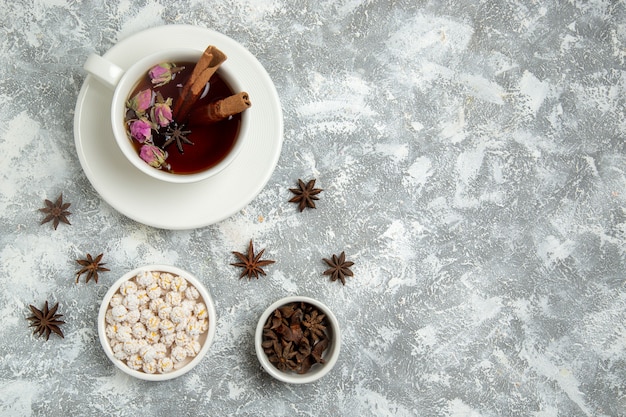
[473, 164]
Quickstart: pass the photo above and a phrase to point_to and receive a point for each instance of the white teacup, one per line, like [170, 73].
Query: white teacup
[122, 82]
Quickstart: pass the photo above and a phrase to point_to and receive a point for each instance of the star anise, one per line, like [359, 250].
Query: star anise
[56, 212]
[314, 324]
[252, 264]
[339, 268]
[283, 356]
[305, 195]
[91, 266]
[176, 133]
[46, 321]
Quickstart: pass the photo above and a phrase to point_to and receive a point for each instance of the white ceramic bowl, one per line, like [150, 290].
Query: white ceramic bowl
[331, 354]
[205, 340]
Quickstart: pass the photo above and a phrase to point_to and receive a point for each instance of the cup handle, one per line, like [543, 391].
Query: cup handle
[103, 70]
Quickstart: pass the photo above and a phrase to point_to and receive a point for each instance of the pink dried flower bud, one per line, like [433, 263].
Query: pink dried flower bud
[161, 74]
[153, 155]
[141, 102]
[141, 130]
[162, 113]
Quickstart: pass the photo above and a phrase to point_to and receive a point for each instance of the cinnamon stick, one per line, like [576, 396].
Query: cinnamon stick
[208, 63]
[221, 109]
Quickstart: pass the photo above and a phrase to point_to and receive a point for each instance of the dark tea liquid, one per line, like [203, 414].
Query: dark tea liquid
[211, 142]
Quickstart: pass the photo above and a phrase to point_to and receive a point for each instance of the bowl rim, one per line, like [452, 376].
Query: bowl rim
[206, 297]
[331, 356]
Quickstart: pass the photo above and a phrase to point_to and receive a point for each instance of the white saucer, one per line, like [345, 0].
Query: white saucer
[179, 206]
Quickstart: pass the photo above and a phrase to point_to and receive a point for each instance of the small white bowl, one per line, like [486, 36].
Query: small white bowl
[331, 354]
[205, 339]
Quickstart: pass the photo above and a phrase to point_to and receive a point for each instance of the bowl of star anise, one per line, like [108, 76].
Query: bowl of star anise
[297, 340]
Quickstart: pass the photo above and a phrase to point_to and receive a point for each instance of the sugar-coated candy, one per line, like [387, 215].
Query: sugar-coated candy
[164, 311]
[139, 330]
[200, 311]
[133, 316]
[119, 313]
[178, 314]
[131, 301]
[134, 362]
[119, 352]
[150, 367]
[146, 314]
[179, 353]
[166, 327]
[128, 287]
[116, 300]
[165, 280]
[191, 293]
[165, 365]
[124, 333]
[153, 336]
[142, 297]
[154, 291]
[155, 304]
[111, 331]
[179, 284]
[145, 278]
[153, 323]
[132, 346]
[173, 298]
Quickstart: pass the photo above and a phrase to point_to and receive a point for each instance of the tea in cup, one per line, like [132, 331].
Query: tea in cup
[177, 115]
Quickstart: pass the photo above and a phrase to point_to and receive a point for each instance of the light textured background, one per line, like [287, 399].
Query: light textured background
[472, 157]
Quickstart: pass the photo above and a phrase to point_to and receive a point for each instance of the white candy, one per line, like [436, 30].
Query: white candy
[155, 304]
[150, 367]
[167, 327]
[148, 354]
[119, 313]
[165, 281]
[133, 316]
[168, 340]
[139, 331]
[128, 287]
[111, 331]
[165, 365]
[188, 305]
[179, 284]
[131, 301]
[154, 291]
[164, 311]
[146, 314]
[193, 328]
[153, 323]
[178, 314]
[132, 346]
[119, 352]
[179, 353]
[124, 333]
[134, 362]
[160, 350]
[145, 278]
[108, 317]
[173, 298]
[142, 297]
[116, 300]
[182, 339]
[191, 293]
[153, 337]
[200, 311]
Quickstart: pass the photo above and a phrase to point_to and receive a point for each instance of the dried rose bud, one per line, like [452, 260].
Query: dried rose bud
[141, 101]
[141, 130]
[153, 155]
[162, 113]
[161, 74]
